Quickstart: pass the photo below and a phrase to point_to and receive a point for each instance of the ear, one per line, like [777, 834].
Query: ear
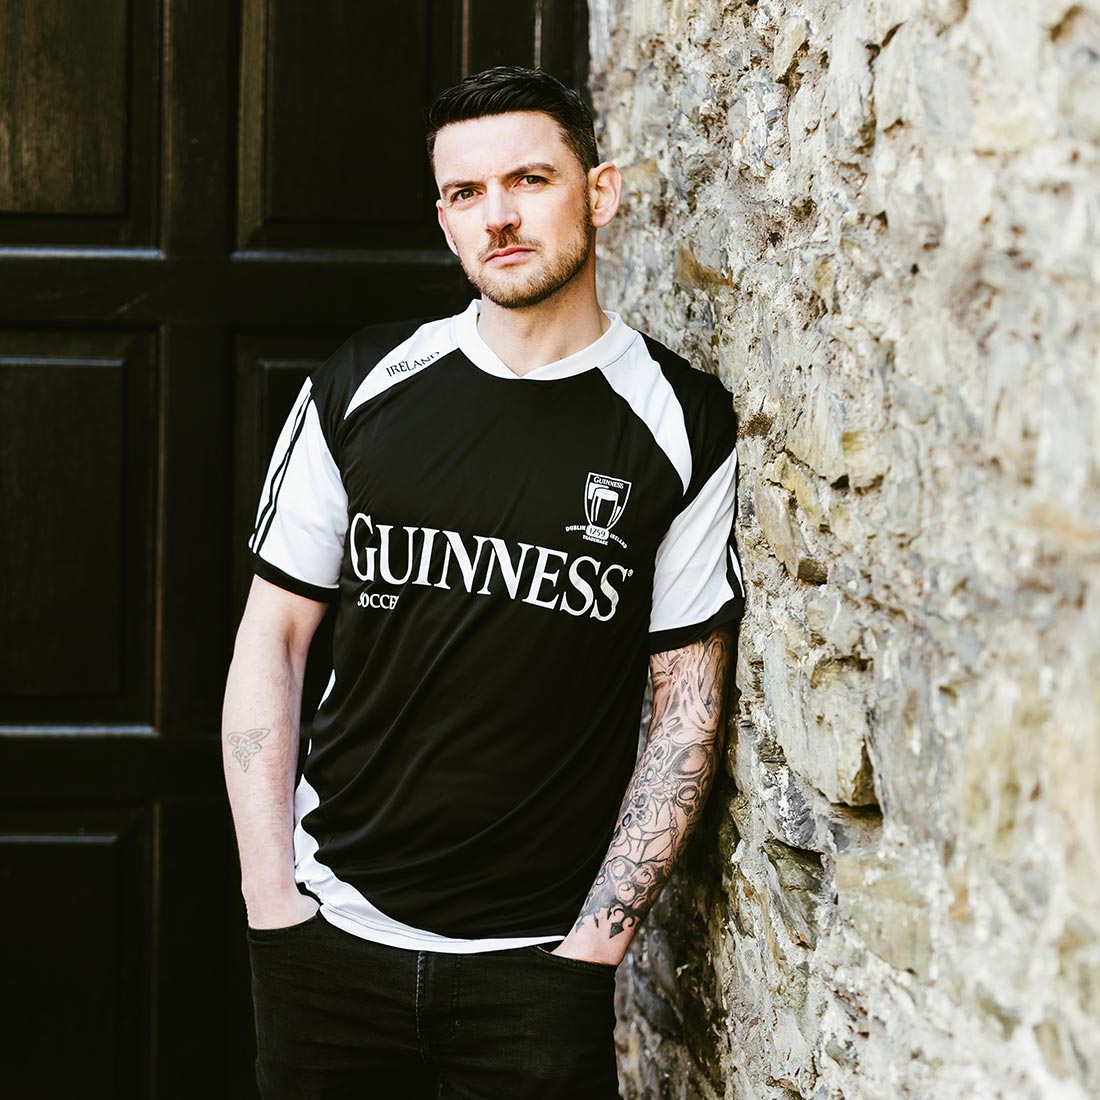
[605, 188]
[443, 225]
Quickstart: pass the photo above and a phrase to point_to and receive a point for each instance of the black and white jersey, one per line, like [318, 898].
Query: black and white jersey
[504, 553]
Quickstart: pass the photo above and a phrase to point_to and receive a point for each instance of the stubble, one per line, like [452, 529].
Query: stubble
[514, 290]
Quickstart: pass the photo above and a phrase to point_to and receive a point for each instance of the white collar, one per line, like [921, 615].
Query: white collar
[604, 351]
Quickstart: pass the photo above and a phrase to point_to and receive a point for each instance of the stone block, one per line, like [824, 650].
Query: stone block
[996, 130]
[806, 490]
[1078, 33]
[902, 493]
[849, 105]
[773, 512]
[838, 703]
[832, 619]
[820, 721]
[789, 808]
[816, 438]
[791, 38]
[1001, 766]
[883, 899]
[943, 88]
[795, 883]
[866, 455]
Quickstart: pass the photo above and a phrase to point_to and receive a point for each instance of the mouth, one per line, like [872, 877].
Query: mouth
[505, 255]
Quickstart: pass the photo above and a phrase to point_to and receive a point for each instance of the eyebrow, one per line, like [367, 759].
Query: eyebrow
[538, 168]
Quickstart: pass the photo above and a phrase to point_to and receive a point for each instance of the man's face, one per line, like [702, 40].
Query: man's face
[514, 206]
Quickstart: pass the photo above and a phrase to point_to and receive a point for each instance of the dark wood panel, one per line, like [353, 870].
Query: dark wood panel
[563, 41]
[499, 32]
[76, 505]
[75, 949]
[61, 509]
[549, 34]
[331, 131]
[78, 114]
[193, 589]
[343, 138]
[200, 104]
[63, 107]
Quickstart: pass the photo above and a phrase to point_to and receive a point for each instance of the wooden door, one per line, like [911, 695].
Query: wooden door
[199, 200]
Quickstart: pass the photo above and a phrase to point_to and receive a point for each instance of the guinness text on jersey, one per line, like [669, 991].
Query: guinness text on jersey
[536, 575]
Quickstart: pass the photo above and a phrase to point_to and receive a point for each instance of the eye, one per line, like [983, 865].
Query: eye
[462, 195]
[533, 180]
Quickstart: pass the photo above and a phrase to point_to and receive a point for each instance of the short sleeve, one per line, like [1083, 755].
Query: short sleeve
[301, 523]
[697, 584]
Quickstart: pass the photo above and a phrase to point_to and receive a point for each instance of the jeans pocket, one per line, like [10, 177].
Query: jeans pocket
[564, 962]
[263, 935]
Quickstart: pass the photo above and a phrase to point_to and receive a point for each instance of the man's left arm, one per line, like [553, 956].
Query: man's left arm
[664, 798]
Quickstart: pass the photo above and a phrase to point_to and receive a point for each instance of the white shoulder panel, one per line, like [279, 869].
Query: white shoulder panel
[639, 381]
[409, 358]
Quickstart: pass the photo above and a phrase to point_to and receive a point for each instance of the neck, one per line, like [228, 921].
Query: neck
[526, 339]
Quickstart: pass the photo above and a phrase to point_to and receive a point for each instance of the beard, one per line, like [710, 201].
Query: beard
[521, 291]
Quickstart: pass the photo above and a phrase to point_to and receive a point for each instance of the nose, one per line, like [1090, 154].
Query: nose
[500, 210]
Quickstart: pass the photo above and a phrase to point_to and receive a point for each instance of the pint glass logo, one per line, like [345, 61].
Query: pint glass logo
[604, 502]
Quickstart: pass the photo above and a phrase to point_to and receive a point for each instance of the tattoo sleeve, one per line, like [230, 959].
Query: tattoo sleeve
[669, 785]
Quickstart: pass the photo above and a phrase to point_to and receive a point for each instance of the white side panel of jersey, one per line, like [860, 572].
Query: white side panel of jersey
[409, 358]
[346, 908]
[641, 383]
[303, 513]
[690, 580]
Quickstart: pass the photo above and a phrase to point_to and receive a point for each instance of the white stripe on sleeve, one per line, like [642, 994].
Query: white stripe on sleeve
[303, 514]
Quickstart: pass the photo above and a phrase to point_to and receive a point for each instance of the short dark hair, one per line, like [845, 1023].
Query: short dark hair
[509, 88]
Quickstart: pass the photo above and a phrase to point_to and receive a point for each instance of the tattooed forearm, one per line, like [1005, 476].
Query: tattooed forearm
[669, 785]
[246, 745]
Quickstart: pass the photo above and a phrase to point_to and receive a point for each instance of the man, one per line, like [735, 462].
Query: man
[515, 511]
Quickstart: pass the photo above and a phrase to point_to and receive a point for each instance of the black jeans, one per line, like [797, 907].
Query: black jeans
[339, 1017]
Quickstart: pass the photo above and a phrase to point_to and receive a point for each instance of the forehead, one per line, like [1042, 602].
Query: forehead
[480, 148]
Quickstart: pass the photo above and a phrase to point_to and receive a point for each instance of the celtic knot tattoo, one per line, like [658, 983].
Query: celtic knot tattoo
[246, 745]
[669, 786]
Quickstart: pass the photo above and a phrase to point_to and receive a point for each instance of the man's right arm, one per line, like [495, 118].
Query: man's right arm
[260, 748]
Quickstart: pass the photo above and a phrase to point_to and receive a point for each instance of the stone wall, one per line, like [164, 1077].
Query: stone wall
[878, 221]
